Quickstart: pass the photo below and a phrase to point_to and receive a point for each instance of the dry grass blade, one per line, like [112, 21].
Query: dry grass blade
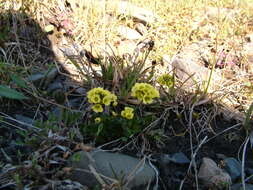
[243, 162]
[6, 177]
[193, 162]
[20, 122]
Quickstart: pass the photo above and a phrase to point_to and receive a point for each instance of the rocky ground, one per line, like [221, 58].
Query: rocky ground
[192, 144]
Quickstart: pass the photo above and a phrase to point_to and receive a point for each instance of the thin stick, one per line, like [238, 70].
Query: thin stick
[20, 122]
[243, 163]
[194, 155]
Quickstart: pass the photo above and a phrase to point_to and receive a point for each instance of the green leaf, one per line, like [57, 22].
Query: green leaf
[7, 92]
[249, 112]
[19, 81]
[100, 128]
[107, 71]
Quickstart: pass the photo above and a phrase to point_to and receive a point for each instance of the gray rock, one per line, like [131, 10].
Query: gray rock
[221, 156]
[112, 165]
[36, 77]
[125, 8]
[54, 86]
[43, 79]
[189, 66]
[128, 33]
[233, 167]
[239, 187]
[68, 185]
[125, 47]
[218, 13]
[249, 171]
[177, 158]
[212, 175]
[140, 14]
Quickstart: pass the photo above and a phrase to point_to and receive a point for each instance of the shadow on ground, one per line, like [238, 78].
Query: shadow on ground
[27, 52]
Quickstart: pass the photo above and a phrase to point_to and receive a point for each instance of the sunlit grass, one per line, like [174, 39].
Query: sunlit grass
[180, 23]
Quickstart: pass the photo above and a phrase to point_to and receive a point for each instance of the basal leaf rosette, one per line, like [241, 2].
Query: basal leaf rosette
[99, 96]
[144, 92]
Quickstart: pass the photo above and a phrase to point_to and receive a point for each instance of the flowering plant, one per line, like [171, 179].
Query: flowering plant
[144, 92]
[99, 96]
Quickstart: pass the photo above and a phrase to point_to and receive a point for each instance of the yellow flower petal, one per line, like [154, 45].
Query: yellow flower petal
[144, 92]
[95, 99]
[107, 100]
[127, 113]
[97, 108]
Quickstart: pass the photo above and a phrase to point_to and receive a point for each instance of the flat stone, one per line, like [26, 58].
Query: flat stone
[239, 187]
[125, 47]
[217, 13]
[212, 175]
[43, 78]
[233, 167]
[68, 185]
[110, 164]
[140, 14]
[36, 77]
[123, 8]
[189, 66]
[54, 86]
[177, 158]
[128, 33]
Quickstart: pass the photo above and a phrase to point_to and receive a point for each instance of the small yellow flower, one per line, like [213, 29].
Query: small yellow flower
[97, 120]
[127, 113]
[154, 93]
[144, 92]
[101, 96]
[107, 100]
[95, 99]
[147, 100]
[97, 108]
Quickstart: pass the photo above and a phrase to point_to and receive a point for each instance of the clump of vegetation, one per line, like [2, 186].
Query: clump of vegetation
[125, 121]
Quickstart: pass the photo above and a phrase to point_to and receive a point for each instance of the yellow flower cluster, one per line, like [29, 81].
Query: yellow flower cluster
[99, 96]
[127, 113]
[166, 80]
[144, 92]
